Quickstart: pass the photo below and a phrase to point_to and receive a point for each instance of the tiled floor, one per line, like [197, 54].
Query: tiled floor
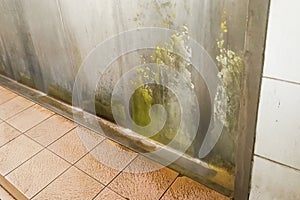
[46, 156]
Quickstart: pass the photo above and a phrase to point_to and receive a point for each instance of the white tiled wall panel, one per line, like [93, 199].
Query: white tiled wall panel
[271, 181]
[276, 171]
[282, 59]
[278, 128]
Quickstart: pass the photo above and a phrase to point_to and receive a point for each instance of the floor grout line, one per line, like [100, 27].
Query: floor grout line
[52, 181]
[90, 151]
[9, 99]
[24, 162]
[43, 148]
[46, 146]
[18, 113]
[71, 165]
[99, 193]
[74, 165]
[168, 187]
[5, 121]
[106, 186]
[13, 138]
[32, 126]
[64, 158]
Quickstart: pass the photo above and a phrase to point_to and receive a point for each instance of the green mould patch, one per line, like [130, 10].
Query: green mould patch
[227, 100]
[100, 108]
[141, 103]
[144, 97]
[26, 80]
[2, 69]
[60, 93]
[165, 12]
[231, 74]
[103, 110]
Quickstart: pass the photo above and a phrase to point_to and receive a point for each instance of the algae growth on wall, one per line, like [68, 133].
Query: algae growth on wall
[43, 44]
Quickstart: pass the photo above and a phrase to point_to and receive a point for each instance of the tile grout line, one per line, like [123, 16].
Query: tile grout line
[106, 186]
[28, 158]
[43, 147]
[276, 162]
[71, 165]
[46, 146]
[9, 99]
[178, 175]
[23, 163]
[33, 126]
[99, 192]
[24, 133]
[51, 181]
[281, 80]
[74, 165]
[13, 138]
[64, 158]
[138, 154]
[18, 112]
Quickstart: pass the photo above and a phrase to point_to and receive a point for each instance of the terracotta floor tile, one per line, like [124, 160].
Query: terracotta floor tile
[50, 130]
[106, 161]
[76, 144]
[7, 133]
[108, 194]
[16, 152]
[6, 95]
[36, 173]
[30, 117]
[73, 185]
[187, 189]
[14, 106]
[136, 183]
[4, 195]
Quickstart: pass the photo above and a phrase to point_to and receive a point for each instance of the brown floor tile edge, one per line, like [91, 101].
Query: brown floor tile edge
[11, 189]
[115, 133]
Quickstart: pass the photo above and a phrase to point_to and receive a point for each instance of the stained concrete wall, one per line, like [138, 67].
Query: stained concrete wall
[43, 43]
[46, 41]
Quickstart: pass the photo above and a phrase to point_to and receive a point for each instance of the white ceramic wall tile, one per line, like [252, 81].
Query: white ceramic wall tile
[278, 128]
[282, 58]
[271, 181]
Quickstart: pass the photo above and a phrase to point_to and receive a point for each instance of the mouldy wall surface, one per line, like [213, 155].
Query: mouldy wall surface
[43, 45]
